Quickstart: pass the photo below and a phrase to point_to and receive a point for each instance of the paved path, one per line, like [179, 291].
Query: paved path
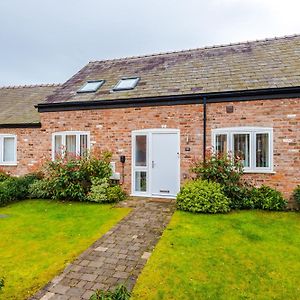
[117, 257]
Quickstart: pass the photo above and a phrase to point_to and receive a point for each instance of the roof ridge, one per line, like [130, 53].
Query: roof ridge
[30, 86]
[197, 49]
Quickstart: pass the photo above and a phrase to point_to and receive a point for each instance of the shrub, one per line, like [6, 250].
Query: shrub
[266, 198]
[15, 188]
[3, 175]
[226, 171]
[120, 293]
[41, 189]
[102, 192]
[203, 196]
[297, 194]
[1, 284]
[115, 194]
[70, 178]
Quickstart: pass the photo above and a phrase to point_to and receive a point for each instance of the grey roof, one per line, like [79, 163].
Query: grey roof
[264, 64]
[17, 103]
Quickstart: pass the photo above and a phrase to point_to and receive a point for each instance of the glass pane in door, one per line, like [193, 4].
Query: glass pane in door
[141, 151]
[140, 181]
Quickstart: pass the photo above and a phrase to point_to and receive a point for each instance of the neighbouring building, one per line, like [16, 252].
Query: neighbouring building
[162, 112]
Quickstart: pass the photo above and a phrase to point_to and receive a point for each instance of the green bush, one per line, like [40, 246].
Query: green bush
[15, 188]
[120, 293]
[3, 175]
[297, 194]
[228, 172]
[266, 198]
[70, 178]
[41, 189]
[203, 196]
[102, 192]
[1, 284]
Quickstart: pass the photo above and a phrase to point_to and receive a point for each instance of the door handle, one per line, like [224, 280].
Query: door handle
[152, 164]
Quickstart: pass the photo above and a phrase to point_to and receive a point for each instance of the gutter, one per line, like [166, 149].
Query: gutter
[21, 125]
[183, 99]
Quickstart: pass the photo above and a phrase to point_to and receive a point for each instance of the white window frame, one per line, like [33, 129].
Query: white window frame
[252, 131]
[63, 135]
[7, 163]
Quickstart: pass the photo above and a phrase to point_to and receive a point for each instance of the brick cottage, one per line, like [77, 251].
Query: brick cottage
[161, 112]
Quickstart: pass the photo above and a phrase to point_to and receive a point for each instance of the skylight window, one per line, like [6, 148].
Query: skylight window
[126, 84]
[91, 86]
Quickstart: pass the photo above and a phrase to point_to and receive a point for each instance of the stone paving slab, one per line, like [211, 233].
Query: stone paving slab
[117, 257]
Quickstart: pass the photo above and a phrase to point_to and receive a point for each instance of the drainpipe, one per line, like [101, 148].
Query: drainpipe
[204, 129]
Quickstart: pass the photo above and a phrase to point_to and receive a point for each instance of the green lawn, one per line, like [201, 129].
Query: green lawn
[242, 255]
[39, 238]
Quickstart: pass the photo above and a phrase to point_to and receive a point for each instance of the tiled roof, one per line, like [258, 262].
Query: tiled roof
[17, 103]
[264, 64]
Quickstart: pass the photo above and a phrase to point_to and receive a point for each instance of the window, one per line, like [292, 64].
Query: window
[126, 84]
[253, 145]
[8, 149]
[91, 86]
[75, 143]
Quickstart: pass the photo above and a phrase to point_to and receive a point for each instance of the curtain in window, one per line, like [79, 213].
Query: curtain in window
[9, 149]
[262, 150]
[71, 144]
[57, 145]
[221, 143]
[241, 148]
[83, 145]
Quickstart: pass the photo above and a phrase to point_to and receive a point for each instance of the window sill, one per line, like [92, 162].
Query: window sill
[8, 164]
[259, 172]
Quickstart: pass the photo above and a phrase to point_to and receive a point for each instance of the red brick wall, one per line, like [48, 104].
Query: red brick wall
[30, 147]
[284, 117]
[110, 129]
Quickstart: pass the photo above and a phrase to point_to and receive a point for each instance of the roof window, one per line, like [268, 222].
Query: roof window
[128, 83]
[91, 86]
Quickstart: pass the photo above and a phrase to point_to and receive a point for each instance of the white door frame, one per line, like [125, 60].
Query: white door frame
[148, 133]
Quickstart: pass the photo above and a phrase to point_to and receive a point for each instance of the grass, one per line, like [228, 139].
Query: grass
[40, 237]
[241, 255]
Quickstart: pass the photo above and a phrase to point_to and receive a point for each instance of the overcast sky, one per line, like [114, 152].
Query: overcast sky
[47, 41]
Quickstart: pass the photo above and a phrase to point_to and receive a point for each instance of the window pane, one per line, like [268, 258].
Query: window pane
[262, 150]
[83, 144]
[221, 143]
[126, 84]
[141, 150]
[241, 148]
[141, 181]
[91, 86]
[71, 144]
[9, 149]
[57, 146]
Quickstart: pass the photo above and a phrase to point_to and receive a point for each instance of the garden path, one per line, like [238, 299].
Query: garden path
[117, 257]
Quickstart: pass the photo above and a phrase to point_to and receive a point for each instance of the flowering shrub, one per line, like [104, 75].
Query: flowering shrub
[228, 171]
[75, 178]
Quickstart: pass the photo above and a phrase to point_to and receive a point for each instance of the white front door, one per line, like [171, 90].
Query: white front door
[165, 164]
[156, 163]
